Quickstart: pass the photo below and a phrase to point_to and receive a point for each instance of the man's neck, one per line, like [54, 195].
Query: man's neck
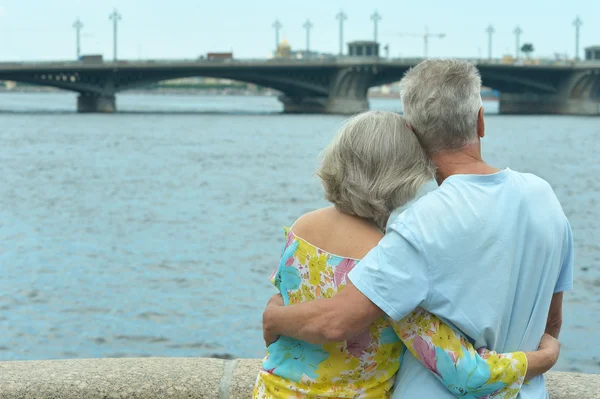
[466, 161]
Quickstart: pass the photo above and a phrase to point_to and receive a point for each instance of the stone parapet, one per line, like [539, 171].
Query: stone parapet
[151, 378]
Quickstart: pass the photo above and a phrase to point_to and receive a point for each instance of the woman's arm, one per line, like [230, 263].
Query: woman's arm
[544, 358]
[464, 371]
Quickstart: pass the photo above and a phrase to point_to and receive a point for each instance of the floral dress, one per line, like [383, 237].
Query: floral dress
[366, 366]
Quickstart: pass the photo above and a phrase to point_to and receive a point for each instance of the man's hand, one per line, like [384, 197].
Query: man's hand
[344, 316]
[269, 337]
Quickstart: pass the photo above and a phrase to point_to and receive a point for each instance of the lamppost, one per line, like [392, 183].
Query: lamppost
[277, 26]
[577, 24]
[78, 25]
[490, 31]
[375, 18]
[341, 16]
[308, 26]
[115, 17]
[517, 33]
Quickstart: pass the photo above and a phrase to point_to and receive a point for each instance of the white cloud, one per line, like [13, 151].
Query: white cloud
[1, 11]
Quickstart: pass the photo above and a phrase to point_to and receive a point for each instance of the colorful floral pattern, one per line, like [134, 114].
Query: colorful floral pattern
[365, 367]
[465, 372]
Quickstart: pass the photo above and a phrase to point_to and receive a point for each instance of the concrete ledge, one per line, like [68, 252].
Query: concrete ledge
[151, 378]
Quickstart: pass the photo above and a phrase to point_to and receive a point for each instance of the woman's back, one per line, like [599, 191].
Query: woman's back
[338, 233]
[321, 248]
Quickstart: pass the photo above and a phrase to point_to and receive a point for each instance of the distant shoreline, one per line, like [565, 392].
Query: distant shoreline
[209, 92]
[205, 92]
[169, 92]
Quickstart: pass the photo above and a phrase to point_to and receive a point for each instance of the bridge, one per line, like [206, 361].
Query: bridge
[337, 85]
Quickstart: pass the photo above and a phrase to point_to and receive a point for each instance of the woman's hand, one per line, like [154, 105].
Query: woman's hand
[551, 346]
[269, 337]
[544, 358]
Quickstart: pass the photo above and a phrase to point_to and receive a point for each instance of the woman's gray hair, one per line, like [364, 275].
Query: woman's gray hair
[441, 101]
[374, 165]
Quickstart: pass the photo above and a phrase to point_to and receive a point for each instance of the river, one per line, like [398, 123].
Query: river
[153, 231]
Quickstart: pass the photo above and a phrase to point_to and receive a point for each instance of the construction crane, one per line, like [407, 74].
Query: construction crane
[425, 37]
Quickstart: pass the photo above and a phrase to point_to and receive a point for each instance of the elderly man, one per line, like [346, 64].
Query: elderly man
[490, 250]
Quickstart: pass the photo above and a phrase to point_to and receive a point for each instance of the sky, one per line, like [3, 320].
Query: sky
[43, 30]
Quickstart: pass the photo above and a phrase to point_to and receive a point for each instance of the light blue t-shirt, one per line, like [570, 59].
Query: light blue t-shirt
[483, 252]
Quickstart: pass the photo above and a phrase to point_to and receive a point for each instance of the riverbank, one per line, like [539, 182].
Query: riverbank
[208, 91]
[205, 91]
[150, 378]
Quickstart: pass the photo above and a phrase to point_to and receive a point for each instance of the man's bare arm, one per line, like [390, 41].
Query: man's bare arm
[554, 322]
[342, 317]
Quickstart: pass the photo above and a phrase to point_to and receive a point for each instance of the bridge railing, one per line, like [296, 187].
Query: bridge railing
[312, 60]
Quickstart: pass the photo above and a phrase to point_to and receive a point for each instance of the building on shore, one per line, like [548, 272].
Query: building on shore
[363, 48]
[7, 84]
[285, 51]
[592, 53]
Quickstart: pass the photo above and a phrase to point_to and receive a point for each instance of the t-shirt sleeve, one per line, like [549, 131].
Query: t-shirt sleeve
[394, 274]
[565, 278]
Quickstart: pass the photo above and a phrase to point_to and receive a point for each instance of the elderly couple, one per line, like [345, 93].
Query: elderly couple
[460, 295]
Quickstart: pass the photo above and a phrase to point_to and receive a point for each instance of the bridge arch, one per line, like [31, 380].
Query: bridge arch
[81, 83]
[100, 85]
[586, 86]
[515, 84]
[283, 84]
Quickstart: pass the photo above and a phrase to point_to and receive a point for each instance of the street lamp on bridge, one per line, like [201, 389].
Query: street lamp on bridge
[375, 18]
[577, 24]
[308, 26]
[277, 26]
[517, 33]
[78, 25]
[115, 17]
[341, 16]
[490, 31]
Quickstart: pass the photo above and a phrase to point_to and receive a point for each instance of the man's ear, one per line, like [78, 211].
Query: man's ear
[480, 124]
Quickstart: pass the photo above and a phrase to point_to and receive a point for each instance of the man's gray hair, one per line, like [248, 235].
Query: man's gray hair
[374, 165]
[441, 101]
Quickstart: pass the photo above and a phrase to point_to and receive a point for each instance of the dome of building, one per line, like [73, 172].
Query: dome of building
[284, 50]
[284, 44]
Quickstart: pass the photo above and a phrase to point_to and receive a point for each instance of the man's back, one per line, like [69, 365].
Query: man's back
[488, 251]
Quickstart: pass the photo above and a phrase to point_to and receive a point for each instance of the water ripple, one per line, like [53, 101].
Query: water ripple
[154, 234]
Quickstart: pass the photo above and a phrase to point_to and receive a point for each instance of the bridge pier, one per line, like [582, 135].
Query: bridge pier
[323, 105]
[87, 103]
[536, 104]
[345, 94]
[347, 106]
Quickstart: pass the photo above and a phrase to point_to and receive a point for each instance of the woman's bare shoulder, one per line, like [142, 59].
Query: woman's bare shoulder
[337, 233]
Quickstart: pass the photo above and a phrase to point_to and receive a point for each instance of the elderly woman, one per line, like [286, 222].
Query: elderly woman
[373, 166]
